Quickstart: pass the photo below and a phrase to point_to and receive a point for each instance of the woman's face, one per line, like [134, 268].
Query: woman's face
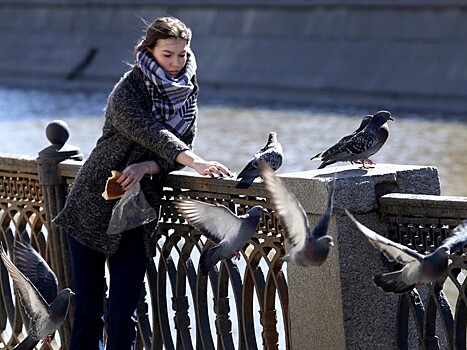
[171, 54]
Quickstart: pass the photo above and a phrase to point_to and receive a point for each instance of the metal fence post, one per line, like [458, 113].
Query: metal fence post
[54, 189]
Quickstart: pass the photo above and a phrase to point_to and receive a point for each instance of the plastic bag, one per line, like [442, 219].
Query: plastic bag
[131, 210]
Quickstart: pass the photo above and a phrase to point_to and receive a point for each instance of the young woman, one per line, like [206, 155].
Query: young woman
[150, 125]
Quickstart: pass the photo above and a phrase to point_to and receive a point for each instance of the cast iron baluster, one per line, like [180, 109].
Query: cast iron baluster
[437, 303]
[202, 310]
[223, 324]
[409, 303]
[166, 268]
[269, 334]
[182, 321]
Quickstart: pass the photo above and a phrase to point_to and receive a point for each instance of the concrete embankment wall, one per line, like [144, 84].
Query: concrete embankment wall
[399, 53]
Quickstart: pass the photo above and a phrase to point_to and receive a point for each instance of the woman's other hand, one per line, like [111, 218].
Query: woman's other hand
[133, 173]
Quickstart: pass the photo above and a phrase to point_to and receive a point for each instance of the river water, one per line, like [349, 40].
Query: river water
[232, 133]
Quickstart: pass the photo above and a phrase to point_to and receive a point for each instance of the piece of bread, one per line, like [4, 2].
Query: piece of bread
[113, 190]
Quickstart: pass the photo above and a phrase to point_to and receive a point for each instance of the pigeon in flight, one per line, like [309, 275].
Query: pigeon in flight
[37, 287]
[229, 231]
[361, 145]
[419, 269]
[272, 153]
[335, 148]
[309, 247]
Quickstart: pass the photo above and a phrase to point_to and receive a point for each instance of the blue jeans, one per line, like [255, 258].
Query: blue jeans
[127, 268]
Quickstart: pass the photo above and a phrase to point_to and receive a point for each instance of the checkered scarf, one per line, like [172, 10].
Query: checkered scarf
[174, 100]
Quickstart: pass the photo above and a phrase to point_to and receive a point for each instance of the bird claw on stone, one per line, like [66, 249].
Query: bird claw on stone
[47, 340]
[366, 163]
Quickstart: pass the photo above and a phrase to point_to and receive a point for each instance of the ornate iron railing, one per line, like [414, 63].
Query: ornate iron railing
[241, 305]
[234, 289]
[235, 307]
[22, 216]
[440, 310]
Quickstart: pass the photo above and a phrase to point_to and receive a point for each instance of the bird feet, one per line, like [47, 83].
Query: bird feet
[365, 162]
[47, 340]
[236, 255]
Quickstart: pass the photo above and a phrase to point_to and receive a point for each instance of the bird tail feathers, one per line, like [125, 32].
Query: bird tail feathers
[209, 258]
[250, 170]
[317, 157]
[391, 282]
[245, 183]
[325, 163]
[247, 175]
[27, 344]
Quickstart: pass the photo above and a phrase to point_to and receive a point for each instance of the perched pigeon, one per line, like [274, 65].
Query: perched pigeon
[37, 287]
[272, 153]
[229, 231]
[419, 269]
[308, 247]
[335, 148]
[361, 145]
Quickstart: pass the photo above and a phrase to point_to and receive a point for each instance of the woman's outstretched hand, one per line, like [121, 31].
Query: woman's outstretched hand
[211, 168]
[203, 167]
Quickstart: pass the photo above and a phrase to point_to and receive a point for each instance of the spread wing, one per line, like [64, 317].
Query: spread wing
[215, 221]
[33, 303]
[36, 269]
[290, 212]
[392, 250]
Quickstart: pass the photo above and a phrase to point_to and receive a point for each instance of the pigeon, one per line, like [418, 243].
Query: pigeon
[361, 145]
[229, 231]
[335, 148]
[419, 269]
[308, 247]
[272, 153]
[37, 287]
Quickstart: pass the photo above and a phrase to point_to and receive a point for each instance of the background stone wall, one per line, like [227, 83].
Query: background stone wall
[398, 53]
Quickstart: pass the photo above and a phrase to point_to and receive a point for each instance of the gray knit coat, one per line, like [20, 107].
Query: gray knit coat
[129, 135]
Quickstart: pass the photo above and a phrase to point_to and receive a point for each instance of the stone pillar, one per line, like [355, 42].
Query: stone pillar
[54, 189]
[336, 306]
